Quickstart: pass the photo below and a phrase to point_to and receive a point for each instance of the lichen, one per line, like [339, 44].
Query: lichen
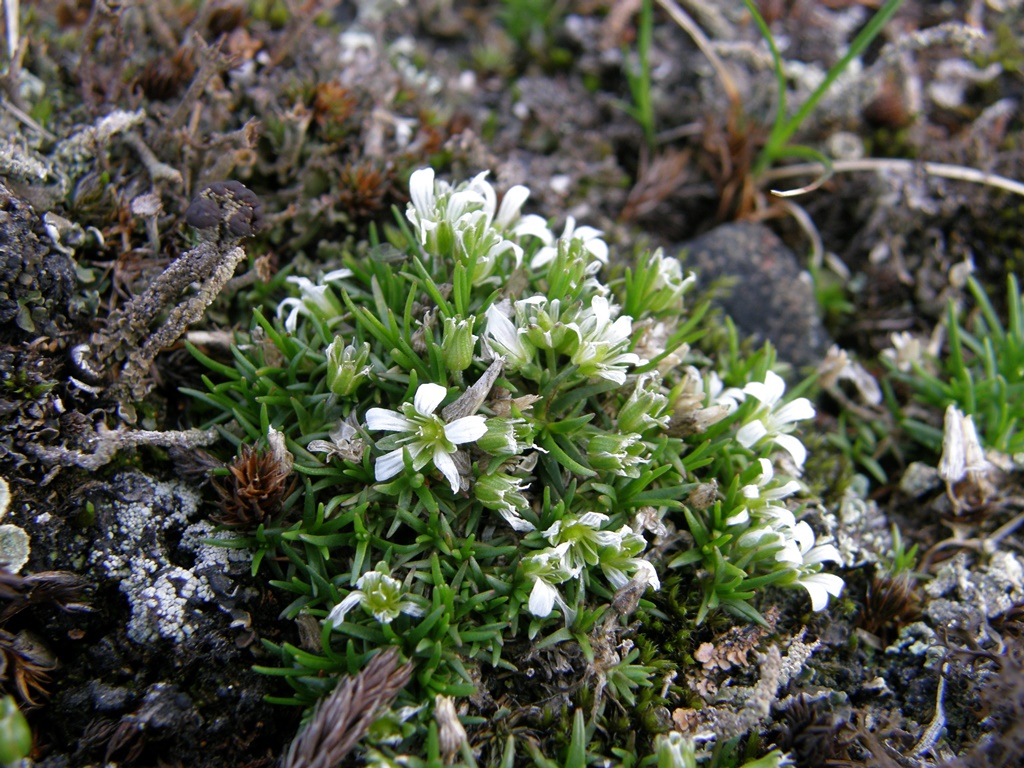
[133, 548]
[14, 547]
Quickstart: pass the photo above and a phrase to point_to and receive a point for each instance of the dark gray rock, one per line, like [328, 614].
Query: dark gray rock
[772, 296]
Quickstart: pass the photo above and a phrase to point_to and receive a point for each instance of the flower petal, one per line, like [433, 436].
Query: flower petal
[797, 410]
[336, 274]
[389, 421]
[511, 204]
[770, 391]
[793, 447]
[412, 609]
[501, 329]
[645, 572]
[822, 553]
[804, 535]
[337, 614]
[819, 586]
[543, 256]
[542, 598]
[740, 517]
[520, 524]
[388, 465]
[421, 190]
[468, 429]
[750, 434]
[446, 466]
[428, 397]
[536, 226]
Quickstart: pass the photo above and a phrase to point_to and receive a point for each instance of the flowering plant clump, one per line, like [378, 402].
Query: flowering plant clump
[512, 427]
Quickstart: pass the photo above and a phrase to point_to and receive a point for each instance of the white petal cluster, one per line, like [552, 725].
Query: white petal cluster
[771, 421]
[579, 542]
[770, 524]
[424, 435]
[464, 222]
[380, 595]
[314, 299]
[604, 340]
[588, 236]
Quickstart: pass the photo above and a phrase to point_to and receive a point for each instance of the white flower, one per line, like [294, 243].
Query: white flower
[907, 351]
[774, 423]
[427, 437]
[503, 493]
[314, 298]
[961, 449]
[763, 493]
[807, 553]
[585, 538]
[668, 285]
[511, 221]
[618, 561]
[590, 237]
[380, 595]
[802, 552]
[718, 395]
[762, 488]
[503, 339]
[423, 202]
[547, 569]
[547, 324]
[464, 222]
[603, 343]
[434, 203]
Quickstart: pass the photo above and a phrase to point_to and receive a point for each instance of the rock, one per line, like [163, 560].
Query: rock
[36, 282]
[772, 298]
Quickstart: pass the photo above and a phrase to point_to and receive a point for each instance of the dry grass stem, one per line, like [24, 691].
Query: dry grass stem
[943, 170]
[684, 20]
[340, 721]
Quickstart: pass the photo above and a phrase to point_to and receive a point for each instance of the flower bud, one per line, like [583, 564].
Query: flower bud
[458, 343]
[667, 285]
[346, 367]
[548, 325]
[506, 437]
[451, 735]
[646, 407]
[675, 751]
[503, 494]
[15, 734]
[620, 454]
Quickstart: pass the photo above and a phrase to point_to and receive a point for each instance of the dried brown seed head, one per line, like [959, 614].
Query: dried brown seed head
[259, 482]
[226, 209]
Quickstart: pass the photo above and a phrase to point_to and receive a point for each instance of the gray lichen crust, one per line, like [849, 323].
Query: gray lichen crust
[133, 548]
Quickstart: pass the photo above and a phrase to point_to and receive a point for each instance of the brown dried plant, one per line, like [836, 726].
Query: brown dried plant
[340, 721]
[64, 588]
[259, 482]
[25, 667]
[362, 188]
[889, 598]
